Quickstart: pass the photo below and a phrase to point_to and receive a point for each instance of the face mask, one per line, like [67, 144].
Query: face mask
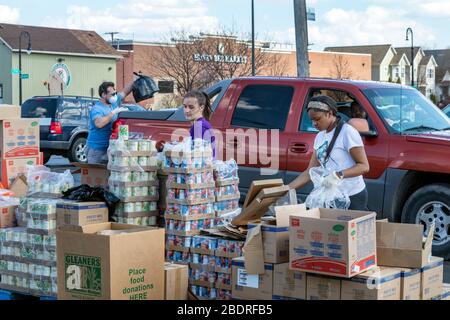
[113, 99]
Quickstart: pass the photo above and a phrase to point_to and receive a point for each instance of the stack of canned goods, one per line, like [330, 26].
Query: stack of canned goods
[203, 242]
[178, 241]
[226, 171]
[134, 180]
[54, 188]
[41, 215]
[204, 292]
[178, 256]
[30, 254]
[228, 191]
[192, 195]
[226, 206]
[191, 178]
[188, 226]
[203, 275]
[230, 247]
[185, 210]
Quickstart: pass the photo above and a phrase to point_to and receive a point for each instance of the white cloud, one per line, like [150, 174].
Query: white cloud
[438, 8]
[375, 25]
[144, 19]
[9, 15]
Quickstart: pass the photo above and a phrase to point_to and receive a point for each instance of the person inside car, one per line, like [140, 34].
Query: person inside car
[339, 150]
[358, 120]
[101, 118]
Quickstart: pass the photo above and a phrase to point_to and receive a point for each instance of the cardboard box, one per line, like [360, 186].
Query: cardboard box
[11, 168]
[80, 213]
[257, 206]
[275, 242]
[322, 287]
[410, 284]
[176, 281]
[259, 185]
[432, 278]
[94, 174]
[381, 283]
[445, 291]
[19, 138]
[332, 242]
[288, 284]
[251, 287]
[8, 112]
[125, 262]
[8, 217]
[19, 186]
[268, 242]
[402, 245]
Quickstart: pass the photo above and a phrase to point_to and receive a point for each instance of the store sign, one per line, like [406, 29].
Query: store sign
[62, 70]
[220, 57]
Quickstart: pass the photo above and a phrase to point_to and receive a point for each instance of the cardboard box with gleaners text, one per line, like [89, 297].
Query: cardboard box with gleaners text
[110, 261]
[333, 242]
[251, 286]
[381, 283]
[403, 245]
[432, 278]
[80, 213]
[320, 287]
[288, 284]
[176, 281]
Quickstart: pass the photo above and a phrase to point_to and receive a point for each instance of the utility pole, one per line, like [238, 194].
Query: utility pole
[112, 36]
[301, 37]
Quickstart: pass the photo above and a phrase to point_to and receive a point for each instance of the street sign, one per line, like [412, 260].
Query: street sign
[25, 76]
[311, 14]
[15, 71]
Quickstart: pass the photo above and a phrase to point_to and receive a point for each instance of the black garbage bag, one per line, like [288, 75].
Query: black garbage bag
[86, 193]
[144, 88]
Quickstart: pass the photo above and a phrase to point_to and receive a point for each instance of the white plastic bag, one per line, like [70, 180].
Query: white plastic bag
[326, 197]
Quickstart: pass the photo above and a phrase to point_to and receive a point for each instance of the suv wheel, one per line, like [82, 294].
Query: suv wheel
[77, 152]
[428, 205]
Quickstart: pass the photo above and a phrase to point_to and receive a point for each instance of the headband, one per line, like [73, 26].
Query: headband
[318, 106]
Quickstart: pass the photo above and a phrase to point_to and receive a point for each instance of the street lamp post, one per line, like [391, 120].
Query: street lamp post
[408, 31]
[253, 39]
[23, 33]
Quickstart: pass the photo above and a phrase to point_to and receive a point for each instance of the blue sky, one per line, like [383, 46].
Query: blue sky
[354, 22]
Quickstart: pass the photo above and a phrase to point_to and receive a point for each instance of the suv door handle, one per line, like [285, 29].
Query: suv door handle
[299, 148]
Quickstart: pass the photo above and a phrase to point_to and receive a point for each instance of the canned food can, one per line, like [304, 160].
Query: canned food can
[138, 207]
[129, 207]
[145, 206]
[152, 221]
[144, 145]
[135, 176]
[144, 191]
[133, 145]
[152, 145]
[143, 161]
[127, 192]
[144, 176]
[153, 206]
[122, 161]
[134, 161]
[152, 161]
[124, 132]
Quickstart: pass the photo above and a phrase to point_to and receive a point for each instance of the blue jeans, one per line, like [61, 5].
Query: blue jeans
[359, 201]
[95, 156]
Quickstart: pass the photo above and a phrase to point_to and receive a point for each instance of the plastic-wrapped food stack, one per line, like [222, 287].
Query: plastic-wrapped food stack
[134, 179]
[28, 252]
[190, 195]
[210, 267]
[227, 189]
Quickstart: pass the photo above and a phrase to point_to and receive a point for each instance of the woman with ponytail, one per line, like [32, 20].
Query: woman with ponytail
[197, 110]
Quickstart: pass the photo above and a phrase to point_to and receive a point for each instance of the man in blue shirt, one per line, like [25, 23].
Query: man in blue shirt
[101, 118]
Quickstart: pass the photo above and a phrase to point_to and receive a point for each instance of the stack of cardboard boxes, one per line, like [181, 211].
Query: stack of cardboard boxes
[19, 143]
[335, 255]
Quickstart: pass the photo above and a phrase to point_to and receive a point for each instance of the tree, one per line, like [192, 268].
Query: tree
[174, 61]
[341, 68]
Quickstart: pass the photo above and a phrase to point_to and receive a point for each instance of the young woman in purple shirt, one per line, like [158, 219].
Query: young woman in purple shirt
[197, 110]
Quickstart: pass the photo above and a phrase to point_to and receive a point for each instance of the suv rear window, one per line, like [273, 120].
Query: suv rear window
[263, 107]
[39, 108]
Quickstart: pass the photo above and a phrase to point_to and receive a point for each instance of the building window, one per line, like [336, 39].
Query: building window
[403, 72]
[1, 91]
[397, 72]
[166, 86]
[430, 73]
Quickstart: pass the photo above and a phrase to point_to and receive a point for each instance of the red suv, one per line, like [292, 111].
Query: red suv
[408, 144]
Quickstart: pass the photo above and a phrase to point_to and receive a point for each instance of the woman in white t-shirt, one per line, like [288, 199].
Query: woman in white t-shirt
[339, 150]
